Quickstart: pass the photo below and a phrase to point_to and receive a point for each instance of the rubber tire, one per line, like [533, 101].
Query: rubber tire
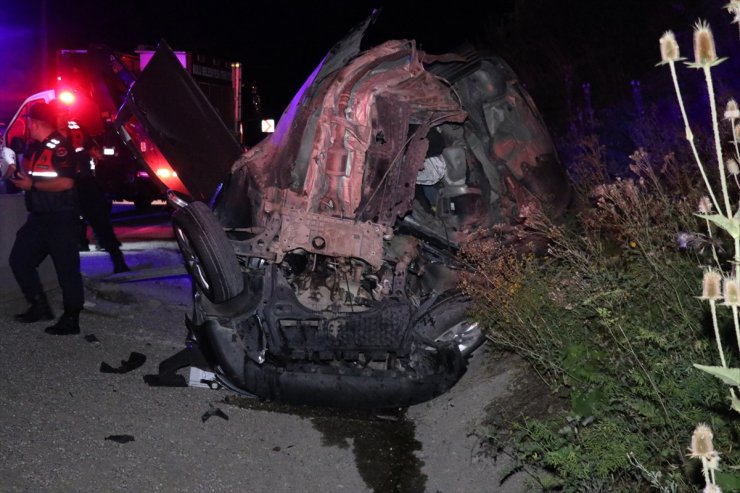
[209, 256]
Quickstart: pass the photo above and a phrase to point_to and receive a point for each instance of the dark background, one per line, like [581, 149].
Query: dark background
[554, 45]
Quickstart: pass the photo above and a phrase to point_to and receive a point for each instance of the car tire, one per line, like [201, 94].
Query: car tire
[449, 320]
[209, 256]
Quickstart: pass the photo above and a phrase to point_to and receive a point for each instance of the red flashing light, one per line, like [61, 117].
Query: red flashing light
[66, 97]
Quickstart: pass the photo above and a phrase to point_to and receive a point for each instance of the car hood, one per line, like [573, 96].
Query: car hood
[169, 124]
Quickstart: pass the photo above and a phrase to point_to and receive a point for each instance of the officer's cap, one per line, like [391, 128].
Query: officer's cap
[43, 112]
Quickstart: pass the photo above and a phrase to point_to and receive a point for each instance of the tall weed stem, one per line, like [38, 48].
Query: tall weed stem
[718, 145]
[713, 306]
[690, 137]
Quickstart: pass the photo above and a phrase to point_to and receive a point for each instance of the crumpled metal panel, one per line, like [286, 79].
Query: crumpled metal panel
[321, 234]
[349, 121]
[333, 167]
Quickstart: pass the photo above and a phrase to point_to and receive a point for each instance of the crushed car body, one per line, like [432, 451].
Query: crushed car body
[324, 264]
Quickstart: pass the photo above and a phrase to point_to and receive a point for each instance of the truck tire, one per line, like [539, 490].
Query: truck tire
[209, 256]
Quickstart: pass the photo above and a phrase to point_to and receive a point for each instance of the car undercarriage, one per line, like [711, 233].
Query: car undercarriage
[325, 267]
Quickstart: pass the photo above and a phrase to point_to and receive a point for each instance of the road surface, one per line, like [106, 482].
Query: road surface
[67, 426]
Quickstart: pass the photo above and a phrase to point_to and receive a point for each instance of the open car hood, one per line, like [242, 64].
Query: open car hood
[171, 127]
[169, 124]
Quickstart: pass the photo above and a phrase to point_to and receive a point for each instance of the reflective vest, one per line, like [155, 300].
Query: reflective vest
[51, 159]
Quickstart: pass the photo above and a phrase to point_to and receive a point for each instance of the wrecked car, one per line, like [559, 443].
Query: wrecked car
[324, 258]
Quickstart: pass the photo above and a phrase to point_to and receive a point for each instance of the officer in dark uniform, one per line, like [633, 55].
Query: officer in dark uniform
[48, 179]
[95, 208]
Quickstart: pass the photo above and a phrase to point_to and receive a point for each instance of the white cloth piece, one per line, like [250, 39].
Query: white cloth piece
[7, 158]
[434, 170]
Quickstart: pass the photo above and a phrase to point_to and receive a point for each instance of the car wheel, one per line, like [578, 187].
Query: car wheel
[450, 321]
[209, 256]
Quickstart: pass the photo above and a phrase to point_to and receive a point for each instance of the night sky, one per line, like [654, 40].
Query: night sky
[550, 43]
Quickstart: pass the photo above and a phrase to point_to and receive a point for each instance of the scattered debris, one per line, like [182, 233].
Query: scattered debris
[167, 368]
[120, 438]
[167, 380]
[214, 411]
[389, 416]
[92, 339]
[202, 378]
[135, 360]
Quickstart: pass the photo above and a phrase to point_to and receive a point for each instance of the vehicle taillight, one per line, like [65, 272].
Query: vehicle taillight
[66, 97]
[165, 173]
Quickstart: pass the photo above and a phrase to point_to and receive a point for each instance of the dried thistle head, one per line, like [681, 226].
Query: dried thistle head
[711, 285]
[705, 53]
[711, 488]
[731, 291]
[734, 8]
[701, 442]
[731, 110]
[732, 167]
[705, 205]
[669, 51]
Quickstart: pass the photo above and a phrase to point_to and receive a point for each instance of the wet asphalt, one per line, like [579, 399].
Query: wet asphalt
[67, 426]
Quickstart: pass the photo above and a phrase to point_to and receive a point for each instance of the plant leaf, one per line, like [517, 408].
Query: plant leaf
[730, 376]
[728, 481]
[732, 226]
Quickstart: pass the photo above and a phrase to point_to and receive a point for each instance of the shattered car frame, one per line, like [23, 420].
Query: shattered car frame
[325, 266]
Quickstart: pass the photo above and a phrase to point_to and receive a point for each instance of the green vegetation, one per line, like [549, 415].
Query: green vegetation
[615, 319]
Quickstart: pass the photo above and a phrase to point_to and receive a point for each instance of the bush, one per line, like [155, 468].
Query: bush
[610, 319]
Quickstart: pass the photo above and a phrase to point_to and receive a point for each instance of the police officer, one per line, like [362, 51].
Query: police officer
[95, 208]
[52, 225]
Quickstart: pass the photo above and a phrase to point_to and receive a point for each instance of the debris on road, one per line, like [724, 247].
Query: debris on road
[92, 339]
[135, 360]
[214, 411]
[120, 438]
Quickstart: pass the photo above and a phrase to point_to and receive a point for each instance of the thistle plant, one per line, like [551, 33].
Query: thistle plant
[734, 9]
[712, 292]
[705, 209]
[732, 114]
[705, 58]
[702, 447]
[670, 54]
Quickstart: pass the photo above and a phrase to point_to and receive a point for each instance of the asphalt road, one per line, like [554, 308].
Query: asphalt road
[60, 416]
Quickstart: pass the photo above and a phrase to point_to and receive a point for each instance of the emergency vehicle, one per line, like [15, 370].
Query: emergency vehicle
[91, 85]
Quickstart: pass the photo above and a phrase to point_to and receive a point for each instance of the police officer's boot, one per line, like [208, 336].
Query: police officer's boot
[39, 310]
[68, 323]
[119, 264]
